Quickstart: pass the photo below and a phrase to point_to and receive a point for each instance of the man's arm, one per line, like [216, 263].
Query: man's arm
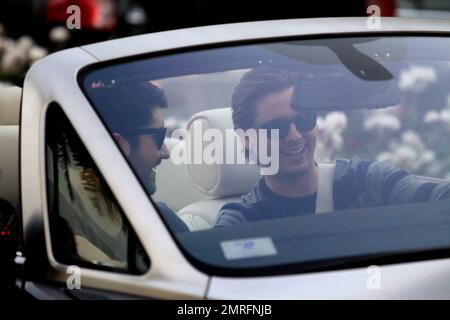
[230, 214]
[384, 184]
[176, 224]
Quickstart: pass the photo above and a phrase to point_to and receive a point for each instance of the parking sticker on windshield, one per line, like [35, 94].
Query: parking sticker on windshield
[248, 248]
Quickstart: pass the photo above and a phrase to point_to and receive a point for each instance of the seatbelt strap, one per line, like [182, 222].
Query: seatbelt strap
[324, 199]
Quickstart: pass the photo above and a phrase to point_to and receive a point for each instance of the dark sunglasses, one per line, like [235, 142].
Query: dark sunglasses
[158, 134]
[304, 122]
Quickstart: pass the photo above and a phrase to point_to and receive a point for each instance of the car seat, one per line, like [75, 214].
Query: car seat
[220, 183]
[9, 143]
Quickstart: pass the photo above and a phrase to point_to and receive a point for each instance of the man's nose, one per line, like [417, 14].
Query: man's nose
[293, 133]
[165, 153]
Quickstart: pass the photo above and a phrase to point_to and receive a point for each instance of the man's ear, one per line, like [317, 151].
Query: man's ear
[123, 143]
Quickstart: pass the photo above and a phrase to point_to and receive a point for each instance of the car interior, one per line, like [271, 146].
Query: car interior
[204, 188]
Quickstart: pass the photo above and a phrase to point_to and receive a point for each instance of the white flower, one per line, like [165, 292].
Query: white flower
[382, 121]
[385, 157]
[6, 44]
[25, 43]
[336, 121]
[417, 78]
[404, 155]
[329, 139]
[336, 141]
[445, 116]
[136, 16]
[37, 53]
[427, 156]
[14, 61]
[412, 139]
[320, 124]
[432, 117]
[59, 35]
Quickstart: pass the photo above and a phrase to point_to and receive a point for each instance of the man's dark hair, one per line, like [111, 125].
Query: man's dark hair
[254, 85]
[128, 106]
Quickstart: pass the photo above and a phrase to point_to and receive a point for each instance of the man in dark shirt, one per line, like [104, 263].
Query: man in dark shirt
[134, 114]
[262, 101]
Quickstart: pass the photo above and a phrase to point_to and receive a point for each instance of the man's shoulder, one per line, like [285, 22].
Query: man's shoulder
[359, 164]
[355, 166]
[164, 209]
[171, 218]
[231, 214]
[238, 212]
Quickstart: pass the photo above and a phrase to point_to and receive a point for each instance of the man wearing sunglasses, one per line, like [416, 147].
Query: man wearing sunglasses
[262, 100]
[134, 114]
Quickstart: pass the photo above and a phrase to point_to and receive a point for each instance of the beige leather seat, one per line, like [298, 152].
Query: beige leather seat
[9, 143]
[174, 184]
[221, 183]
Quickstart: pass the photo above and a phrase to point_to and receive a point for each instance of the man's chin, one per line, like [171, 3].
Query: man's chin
[151, 189]
[150, 185]
[292, 171]
[151, 182]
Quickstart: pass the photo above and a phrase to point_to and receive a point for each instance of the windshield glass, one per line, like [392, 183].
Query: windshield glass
[298, 154]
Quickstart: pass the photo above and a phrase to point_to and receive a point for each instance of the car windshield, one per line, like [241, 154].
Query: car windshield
[291, 155]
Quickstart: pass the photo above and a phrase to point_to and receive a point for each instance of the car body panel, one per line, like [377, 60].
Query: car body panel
[414, 280]
[171, 275]
[260, 30]
[54, 79]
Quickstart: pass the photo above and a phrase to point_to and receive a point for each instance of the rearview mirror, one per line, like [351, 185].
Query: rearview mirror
[344, 93]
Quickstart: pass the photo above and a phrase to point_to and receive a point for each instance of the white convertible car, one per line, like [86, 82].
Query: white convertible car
[117, 196]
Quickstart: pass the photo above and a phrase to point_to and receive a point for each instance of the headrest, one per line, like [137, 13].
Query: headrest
[10, 105]
[220, 180]
[173, 182]
[9, 163]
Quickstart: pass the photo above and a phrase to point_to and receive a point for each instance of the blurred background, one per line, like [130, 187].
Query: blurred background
[31, 29]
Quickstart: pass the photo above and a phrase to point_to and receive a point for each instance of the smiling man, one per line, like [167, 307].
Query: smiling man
[262, 100]
[134, 114]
